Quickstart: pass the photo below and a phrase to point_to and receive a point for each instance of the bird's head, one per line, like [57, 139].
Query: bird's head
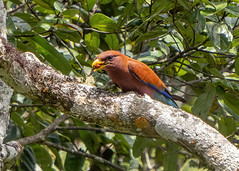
[109, 59]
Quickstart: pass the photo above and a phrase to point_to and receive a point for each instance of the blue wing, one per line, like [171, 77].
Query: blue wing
[160, 95]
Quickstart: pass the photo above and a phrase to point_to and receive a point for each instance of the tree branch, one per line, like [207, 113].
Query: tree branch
[80, 153]
[41, 136]
[90, 129]
[6, 150]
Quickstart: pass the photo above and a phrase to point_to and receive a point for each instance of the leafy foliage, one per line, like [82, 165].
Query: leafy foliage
[191, 45]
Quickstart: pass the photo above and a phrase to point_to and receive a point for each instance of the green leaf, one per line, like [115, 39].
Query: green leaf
[43, 157]
[18, 2]
[55, 58]
[92, 39]
[58, 6]
[185, 4]
[28, 130]
[10, 25]
[125, 140]
[45, 3]
[164, 48]
[191, 165]
[82, 60]
[207, 2]
[162, 6]
[216, 72]
[230, 103]
[58, 157]
[227, 126]
[112, 41]
[13, 132]
[90, 139]
[181, 70]
[103, 23]
[237, 66]
[220, 36]
[68, 35]
[210, 59]
[74, 162]
[214, 8]
[139, 4]
[90, 4]
[171, 157]
[105, 1]
[204, 102]
[200, 21]
[139, 145]
[29, 18]
[68, 27]
[234, 10]
[28, 160]
[148, 59]
[151, 35]
[151, 56]
[70, 13]
[120, 2]
[21, 24]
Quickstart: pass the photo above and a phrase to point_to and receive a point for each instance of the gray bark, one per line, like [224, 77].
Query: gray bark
[5, 97]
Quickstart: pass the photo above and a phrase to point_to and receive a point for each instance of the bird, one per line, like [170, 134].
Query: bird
[132, 75]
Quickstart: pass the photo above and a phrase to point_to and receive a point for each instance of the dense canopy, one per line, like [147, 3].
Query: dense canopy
[191, 45]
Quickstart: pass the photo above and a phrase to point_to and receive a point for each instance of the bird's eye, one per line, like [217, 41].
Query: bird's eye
[110, 57]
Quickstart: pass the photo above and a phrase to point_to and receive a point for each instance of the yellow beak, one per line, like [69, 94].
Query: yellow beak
[97, 65]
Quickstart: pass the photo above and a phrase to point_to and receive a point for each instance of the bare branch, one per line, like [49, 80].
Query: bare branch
[81, 153]
[40, 137]
[90, 129]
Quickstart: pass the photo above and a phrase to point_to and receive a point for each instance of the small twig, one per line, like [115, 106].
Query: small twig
[230, 63]
[179, 31]
[190, 83]
[175, 42]
[90, 129]
[235, 24]
[146, 155]
[95, 30]
[76, 60]
[218, 53]
[195, 69]
[186, 52]
[30, 35]
[180, 67]
[184, 92]
[232, 135]
[33, 12]
[81, 153]
[172, 77]
[40, 137]
[26, 105]
[85, 49]
[16, 9]
[125, 34]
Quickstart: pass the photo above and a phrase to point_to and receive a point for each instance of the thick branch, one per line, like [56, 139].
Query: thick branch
[7, 151]
[5, 97]
[125, 112]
